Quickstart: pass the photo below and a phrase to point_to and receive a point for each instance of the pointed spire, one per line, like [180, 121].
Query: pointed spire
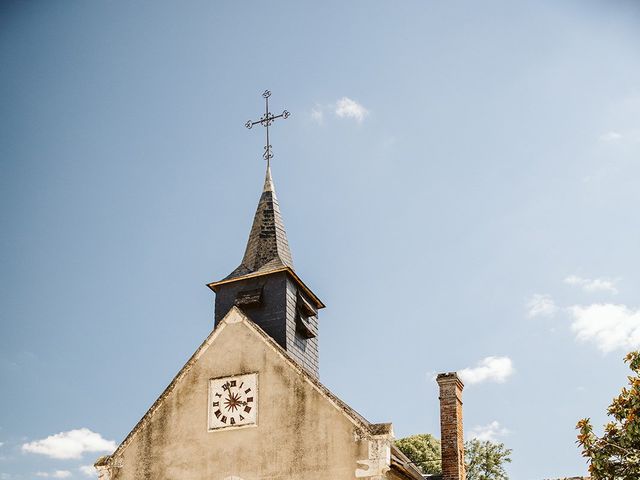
[267, 247]
[268, 181]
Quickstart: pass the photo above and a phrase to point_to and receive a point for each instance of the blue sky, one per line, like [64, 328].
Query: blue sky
[459, 183]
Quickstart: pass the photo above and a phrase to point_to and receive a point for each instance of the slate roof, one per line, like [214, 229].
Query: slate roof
[267, 248]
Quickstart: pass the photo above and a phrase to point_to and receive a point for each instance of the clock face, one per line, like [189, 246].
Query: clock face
[233, 401]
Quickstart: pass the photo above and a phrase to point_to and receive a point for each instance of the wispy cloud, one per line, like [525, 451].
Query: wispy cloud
[317, 114]
[56, 474]
[348, 108]
[593, 285]
[491, 432]
[621, 138]
[541, 305]
[489, 369]
[71, 444]
[610, 137]
[608, 326]
[345, 107]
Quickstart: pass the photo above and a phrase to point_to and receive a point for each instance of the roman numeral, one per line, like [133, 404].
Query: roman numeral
[216, 404]
[233, 421]
[247, 409]
[224, 419]
[241, 417]
[249, 399]
[233, 383]
[217, 413]
[218, 395]
[247, 390]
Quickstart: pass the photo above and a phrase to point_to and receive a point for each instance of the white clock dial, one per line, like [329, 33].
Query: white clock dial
[233, 401]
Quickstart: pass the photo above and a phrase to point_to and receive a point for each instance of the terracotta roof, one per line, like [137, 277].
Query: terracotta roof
[267, 248]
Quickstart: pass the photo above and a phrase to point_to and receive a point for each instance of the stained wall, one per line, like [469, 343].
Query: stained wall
[300, 433]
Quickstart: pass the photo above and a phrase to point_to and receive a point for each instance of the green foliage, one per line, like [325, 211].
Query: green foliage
[616, 454]
[423, 450]
[485, 460]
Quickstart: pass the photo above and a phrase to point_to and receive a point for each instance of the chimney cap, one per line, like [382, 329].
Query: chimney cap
[449, 377]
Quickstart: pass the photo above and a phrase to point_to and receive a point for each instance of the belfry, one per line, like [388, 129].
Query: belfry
[266, 287]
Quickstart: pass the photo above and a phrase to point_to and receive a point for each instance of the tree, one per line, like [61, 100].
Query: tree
[423, 450]
[485, 460]
[616, 454]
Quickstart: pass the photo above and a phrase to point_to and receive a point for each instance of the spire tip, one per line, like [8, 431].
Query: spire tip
[268, 181]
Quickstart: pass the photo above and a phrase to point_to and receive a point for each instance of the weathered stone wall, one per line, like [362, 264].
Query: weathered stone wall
[301, 433]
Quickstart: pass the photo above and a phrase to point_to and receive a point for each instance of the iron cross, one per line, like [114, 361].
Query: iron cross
[266, 120]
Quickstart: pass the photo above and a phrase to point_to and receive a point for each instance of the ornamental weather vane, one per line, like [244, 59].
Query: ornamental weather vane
[266, 120]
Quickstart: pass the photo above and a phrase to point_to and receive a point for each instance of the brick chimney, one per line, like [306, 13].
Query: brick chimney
[451, 433]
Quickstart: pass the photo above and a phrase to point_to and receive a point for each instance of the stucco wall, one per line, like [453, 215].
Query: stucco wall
[300, 433]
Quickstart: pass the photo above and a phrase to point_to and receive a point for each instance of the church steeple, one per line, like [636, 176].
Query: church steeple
[266, 287]
[267, 247]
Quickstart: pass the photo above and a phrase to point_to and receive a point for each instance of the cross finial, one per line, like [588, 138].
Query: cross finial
[266, 120]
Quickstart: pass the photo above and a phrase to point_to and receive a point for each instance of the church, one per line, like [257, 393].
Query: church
[248, 404]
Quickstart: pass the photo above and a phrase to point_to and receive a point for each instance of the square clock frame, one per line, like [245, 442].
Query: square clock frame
[233, 401]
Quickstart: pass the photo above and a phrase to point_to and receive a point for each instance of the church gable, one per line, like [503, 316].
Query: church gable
[293, 428]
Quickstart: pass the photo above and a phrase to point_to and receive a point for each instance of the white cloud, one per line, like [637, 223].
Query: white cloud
[1, 444]
[71, 444]
[541, 305]
[56, 474]
[495, 369]
[317, 114]
[593, 285]
[88, 470]
[610, 136]
[608, 326]
[347, 108]
[342, 108]
[490, 432]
